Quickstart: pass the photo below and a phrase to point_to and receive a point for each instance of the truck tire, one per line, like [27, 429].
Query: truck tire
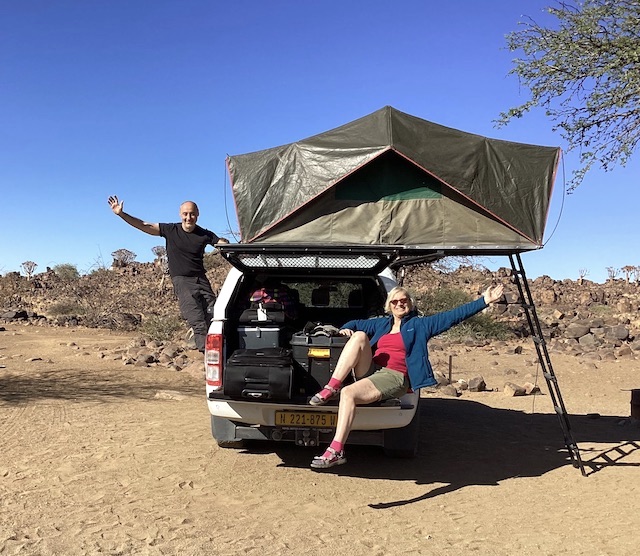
[403, 443]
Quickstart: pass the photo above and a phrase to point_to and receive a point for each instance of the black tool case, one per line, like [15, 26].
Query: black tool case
[317, 355]
[259, 374]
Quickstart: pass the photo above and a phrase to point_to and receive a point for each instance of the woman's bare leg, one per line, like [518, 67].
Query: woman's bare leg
[359, 393]
[355, 355]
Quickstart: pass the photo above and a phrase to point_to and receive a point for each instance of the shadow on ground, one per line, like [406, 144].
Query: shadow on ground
[466, 443]
[74, 385]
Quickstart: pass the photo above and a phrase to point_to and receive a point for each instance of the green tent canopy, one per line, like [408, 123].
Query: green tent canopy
[393, 179]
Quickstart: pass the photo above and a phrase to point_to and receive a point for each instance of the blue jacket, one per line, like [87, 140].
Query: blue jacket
[416, 332]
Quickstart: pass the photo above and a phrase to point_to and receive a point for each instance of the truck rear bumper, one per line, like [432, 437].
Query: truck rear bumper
[367, 418]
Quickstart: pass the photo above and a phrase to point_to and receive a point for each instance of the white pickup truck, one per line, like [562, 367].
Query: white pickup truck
[266, 356]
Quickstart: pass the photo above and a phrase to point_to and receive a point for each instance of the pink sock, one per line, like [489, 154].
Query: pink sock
[337, 446]
[325, 393]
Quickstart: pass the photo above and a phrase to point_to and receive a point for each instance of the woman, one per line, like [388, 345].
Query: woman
[401, 360]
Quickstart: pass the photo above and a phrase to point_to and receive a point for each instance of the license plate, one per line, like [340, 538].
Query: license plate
[306, 419]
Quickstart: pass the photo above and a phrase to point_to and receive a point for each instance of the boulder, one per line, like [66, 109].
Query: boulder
[576, 330]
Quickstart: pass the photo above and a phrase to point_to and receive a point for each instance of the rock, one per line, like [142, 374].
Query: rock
[619, 332]
[531, 388]
[196, 370]
[14, 315]
[477, 384]
[146, 357]
[547, 297]
[449, 390]
[589, 342]
[575, 331]
[511, 389]
[440, 378]
[624, 352]
[169, 395]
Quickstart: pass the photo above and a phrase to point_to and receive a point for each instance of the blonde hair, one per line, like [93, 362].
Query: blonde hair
[393, 292]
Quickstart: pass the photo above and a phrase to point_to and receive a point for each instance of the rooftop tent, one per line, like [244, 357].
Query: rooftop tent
[390, 178]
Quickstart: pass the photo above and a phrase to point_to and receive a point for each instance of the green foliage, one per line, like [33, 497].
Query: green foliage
[70, 308]
[479, 326]
[585, 73]
[66, 272]
[161, 328]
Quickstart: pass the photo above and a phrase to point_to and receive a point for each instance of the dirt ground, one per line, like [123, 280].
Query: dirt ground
[99, 458]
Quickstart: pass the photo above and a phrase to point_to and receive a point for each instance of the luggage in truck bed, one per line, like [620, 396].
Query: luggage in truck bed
[317, 356]
[259, 374]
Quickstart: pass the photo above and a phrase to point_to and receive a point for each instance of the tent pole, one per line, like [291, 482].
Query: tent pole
[544, 359]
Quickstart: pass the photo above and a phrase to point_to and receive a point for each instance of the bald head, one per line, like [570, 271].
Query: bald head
[189, 216]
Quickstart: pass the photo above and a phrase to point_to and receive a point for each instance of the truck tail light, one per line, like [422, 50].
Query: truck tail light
[213, 360]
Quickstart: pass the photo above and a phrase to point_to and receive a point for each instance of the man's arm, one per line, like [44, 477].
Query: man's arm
[117, 207]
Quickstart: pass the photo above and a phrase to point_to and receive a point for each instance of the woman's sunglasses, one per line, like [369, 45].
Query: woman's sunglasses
[404, 301]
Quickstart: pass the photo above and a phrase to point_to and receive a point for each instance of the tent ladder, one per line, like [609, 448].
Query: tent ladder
[544, 359]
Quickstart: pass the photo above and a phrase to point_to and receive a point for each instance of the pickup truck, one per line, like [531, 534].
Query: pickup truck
[271, 345]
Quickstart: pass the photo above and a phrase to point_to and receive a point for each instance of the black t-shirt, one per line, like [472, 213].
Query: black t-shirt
[185, 251]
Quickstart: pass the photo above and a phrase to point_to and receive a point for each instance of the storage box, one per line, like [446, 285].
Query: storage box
[317, 355]
[259, 374]
[259, 336]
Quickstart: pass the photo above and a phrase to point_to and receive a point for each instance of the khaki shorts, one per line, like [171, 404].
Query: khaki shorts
[390, 383]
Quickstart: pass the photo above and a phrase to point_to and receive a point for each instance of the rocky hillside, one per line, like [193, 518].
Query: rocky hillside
[600, 321]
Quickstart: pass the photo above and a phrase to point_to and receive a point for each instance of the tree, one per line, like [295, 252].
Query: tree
[66, 272]
[582, 273]
[612, 272]
[628, 271]
[586, 75]
[29, 268]
[122, 257]
[160, 251]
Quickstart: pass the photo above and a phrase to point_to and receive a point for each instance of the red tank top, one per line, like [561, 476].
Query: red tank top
[390, 353]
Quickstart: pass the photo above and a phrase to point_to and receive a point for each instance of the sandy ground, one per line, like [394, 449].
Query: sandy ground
[93, 461]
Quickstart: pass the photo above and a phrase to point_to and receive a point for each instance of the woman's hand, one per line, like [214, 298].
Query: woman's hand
[492, 295]
[346, 332]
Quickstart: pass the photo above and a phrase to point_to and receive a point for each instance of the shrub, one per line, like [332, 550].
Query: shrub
[66, 272]
[66, 308]
[479, 326]
[160, 328]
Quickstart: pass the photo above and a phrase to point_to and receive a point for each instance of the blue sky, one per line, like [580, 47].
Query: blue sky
[144, 99]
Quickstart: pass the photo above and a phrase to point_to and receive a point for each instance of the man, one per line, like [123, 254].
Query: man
[186, 243]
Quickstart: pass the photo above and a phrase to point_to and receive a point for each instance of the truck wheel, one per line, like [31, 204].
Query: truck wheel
[403, 443]
[231, 444]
